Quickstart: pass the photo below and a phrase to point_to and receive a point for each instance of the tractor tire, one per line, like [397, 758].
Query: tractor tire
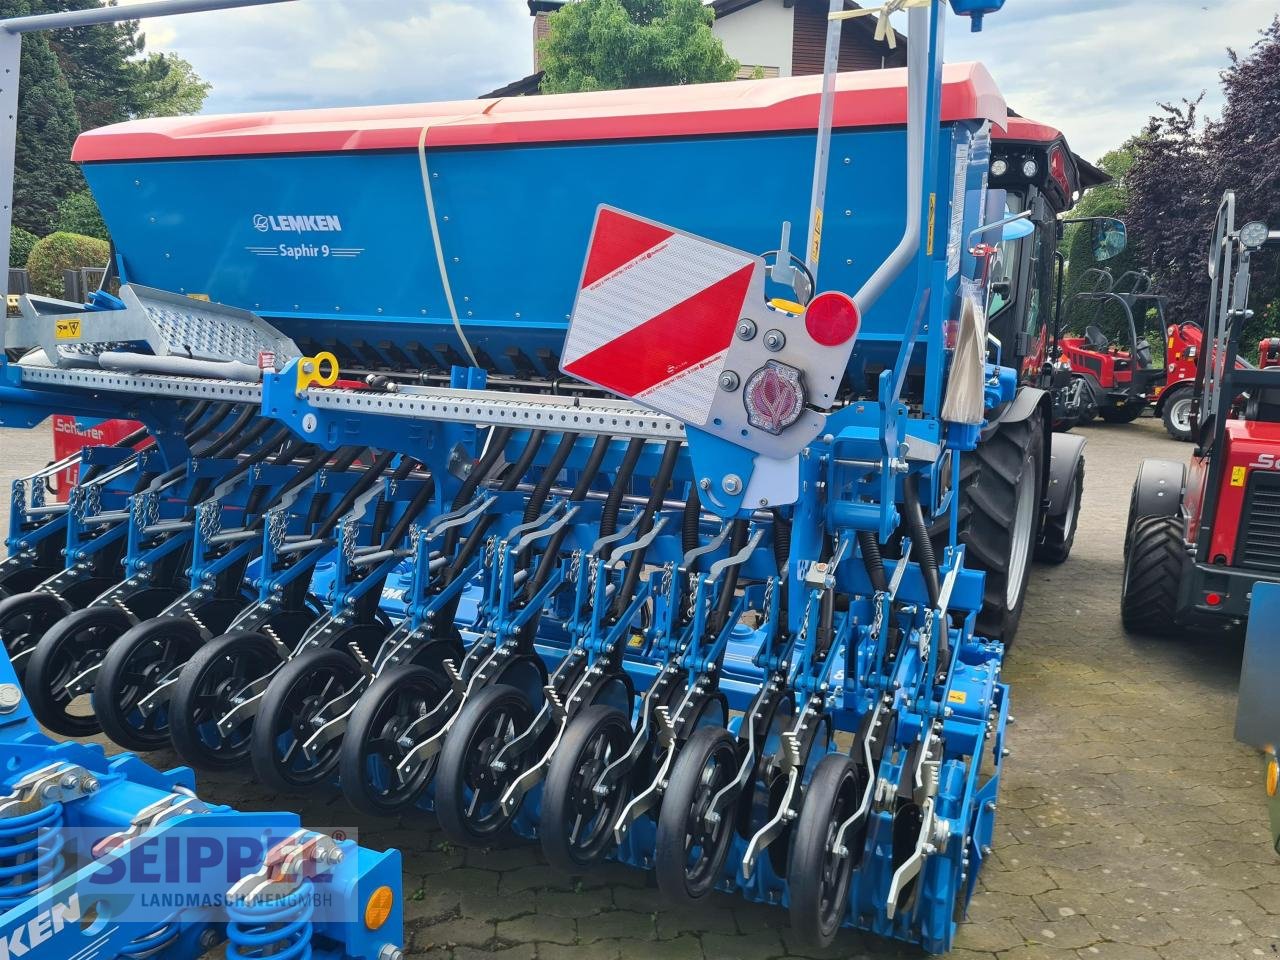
[1126, 414]
[1154, 563]
[1060, 532]
[1000, 484]
[1176, 412]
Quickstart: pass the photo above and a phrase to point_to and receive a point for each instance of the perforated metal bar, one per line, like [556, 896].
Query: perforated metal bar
[146, 384]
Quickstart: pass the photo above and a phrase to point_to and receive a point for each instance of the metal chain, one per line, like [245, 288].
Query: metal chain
[210, 519]
[276, 528]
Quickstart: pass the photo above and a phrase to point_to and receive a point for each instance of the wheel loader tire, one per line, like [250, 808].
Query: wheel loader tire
[1153, 567]
[1000, 486]
[1176, 412]
[1060, 532]
[1126, 414]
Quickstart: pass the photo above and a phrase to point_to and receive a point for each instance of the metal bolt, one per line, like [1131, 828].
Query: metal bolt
[775, 340]
[732, 484]
[90, 785]
[729, 381]
[10, 697]
[336, 855]
[991, 806]
[70, 781]
[388, 952]
[986, 849]
[746, 329]
[704, 483]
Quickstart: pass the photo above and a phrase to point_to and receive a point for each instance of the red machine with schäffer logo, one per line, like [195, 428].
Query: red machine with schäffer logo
[1200, 538]
[70, 437]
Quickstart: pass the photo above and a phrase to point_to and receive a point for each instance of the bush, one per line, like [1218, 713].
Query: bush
[20, 244]
[63, 251]
[78, 213]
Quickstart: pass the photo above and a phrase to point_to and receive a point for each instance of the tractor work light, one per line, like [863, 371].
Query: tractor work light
[1029, 169]
[1254, 234]
[999, 168]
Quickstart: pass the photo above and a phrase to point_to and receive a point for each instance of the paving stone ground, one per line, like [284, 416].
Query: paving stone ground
[1132, 826]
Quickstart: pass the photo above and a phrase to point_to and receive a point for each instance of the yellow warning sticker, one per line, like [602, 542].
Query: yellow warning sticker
[957, 696]
[636, 641]
[199, 296]
[815, 242]
[68, 329]
[1237, 476]
[933, 219]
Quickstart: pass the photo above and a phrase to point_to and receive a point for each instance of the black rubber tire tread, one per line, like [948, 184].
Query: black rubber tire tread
[1057, 540]
[266, 728]
[353, 757]
[451, 776]
[44, 609]
[48, 710]
[814, 926]
[112, 683]
[557, 813]
[670, 856]
[1153, 570]
[184, 732]
[1126, 414]
[1169, 401]
[989, 478]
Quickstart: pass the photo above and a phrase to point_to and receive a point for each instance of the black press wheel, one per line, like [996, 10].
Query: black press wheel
[1060, 532]
[690, 853]
[819, 878]
[24, 619]
[468, 788]
[374, 746]
[999, 518]
[1176, 412]
[132, 669]
[58, 694]
[576, 826]
[206, 691]
[294, 698]
[1153, 567]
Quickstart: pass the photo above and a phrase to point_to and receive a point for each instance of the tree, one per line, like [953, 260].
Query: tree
[78, 213]
[1181, 167]
[167, 86]
[47, 129]
[612, 44]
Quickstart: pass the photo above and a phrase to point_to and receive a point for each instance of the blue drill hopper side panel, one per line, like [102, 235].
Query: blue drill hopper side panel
[514, 224]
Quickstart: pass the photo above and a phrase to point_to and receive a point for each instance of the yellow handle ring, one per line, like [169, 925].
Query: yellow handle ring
[318, 371]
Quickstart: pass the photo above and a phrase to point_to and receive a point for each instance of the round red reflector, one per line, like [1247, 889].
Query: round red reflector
[831, 319]
[1213, 599]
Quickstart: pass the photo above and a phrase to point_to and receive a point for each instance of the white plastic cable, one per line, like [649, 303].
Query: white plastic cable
[435, 237]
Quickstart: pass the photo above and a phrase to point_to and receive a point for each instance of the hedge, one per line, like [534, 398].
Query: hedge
[63, 251]
[20, 244]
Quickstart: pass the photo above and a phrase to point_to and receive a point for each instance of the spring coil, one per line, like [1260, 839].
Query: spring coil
[279, 929]
[30, 854]
[153, 942]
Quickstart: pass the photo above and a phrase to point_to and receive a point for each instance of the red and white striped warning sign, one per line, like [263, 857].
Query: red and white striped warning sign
[656, 314]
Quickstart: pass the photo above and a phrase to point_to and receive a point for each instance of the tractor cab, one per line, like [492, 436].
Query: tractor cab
[1199, 539]
[1116, 375]
[1042, 178]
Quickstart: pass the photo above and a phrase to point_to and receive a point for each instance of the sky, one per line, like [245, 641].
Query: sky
[1093, 68]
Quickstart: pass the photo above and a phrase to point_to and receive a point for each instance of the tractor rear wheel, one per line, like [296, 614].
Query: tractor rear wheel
[1177, 412]
[1127, 414]
[1000, 484]
[1153, 566]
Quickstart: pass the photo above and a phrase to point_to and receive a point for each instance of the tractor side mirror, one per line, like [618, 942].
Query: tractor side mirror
[1110, 237]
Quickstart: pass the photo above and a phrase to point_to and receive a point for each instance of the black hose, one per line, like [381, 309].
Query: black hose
[580, 490]
[357, 490]
[613, 503]
[921, 545]
[691, 521]
[231, 435]
[419, 503]
[209, 423]
[543, 489]
[479, 473]
[869, 544]
[635, 563]
[737, 540]
[782, 557]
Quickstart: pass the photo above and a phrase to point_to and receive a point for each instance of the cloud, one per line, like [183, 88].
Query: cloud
[1094, 68]
[312, 53]
[1097, 68]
